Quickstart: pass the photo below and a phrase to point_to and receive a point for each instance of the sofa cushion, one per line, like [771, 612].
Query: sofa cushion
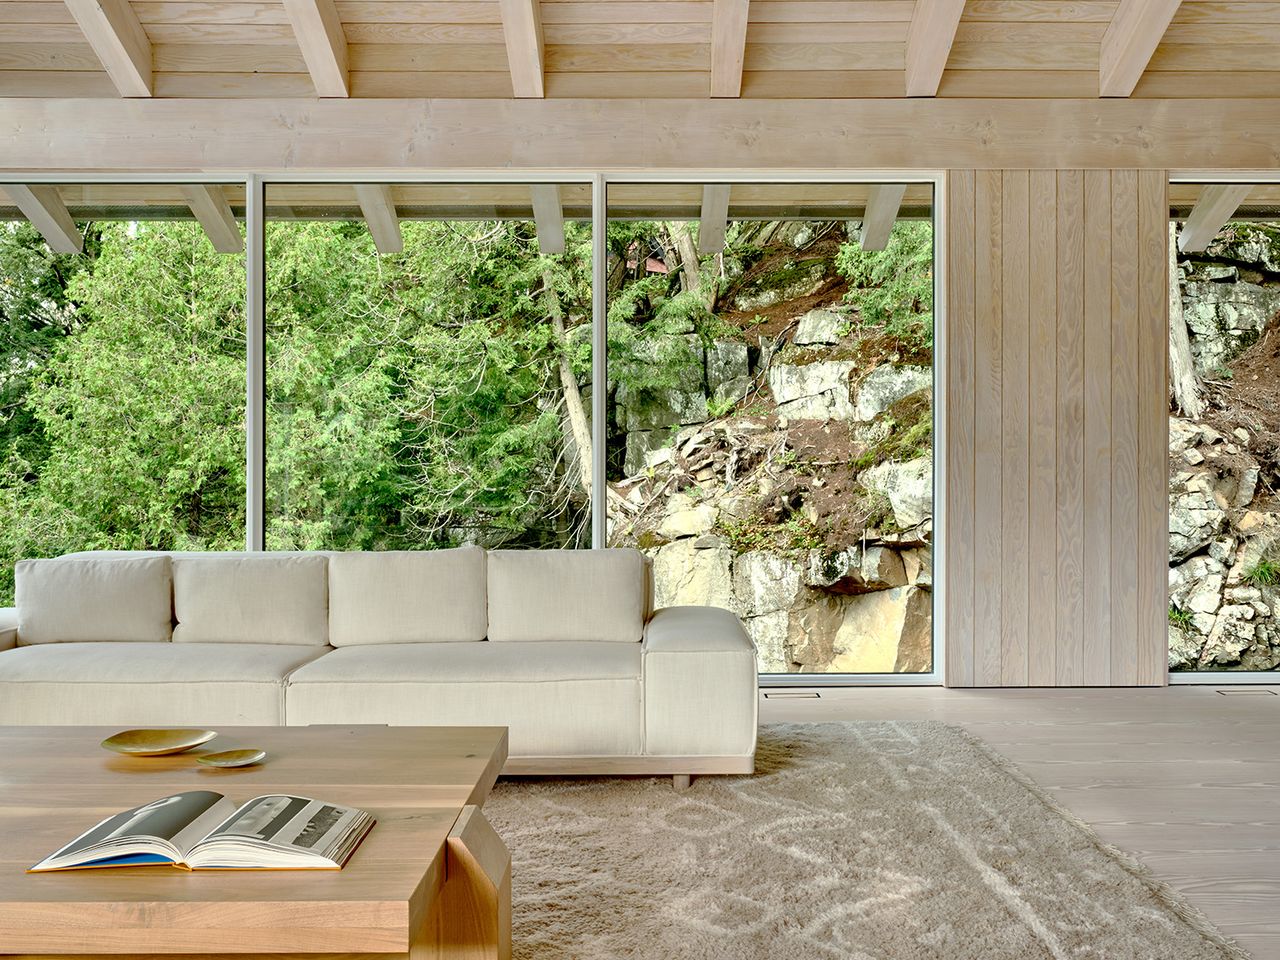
[93, 599]
[547, 595]
[250, 599]
[557, 699]
[147, 684]
[407, 596]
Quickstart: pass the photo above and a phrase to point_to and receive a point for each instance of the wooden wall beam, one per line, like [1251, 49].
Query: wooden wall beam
[881, 214]
[1131, 38]
[379, 209]
[117, 37]
[548, 217]
[210, 208]
[1217, 204]
[323, 43]
[522, 29]
[715, 217]
[42, 205]
[728, 46]
[269, 136]
[929, 39]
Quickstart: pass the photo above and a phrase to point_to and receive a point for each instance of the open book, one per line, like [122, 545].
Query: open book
[203, 830]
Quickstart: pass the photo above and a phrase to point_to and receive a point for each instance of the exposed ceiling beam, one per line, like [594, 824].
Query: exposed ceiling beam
[379, 209]
[117, 37]
[881, 214]
[715, 217]
[728, 46]
[929, 39]
[323, 43]
[210, 207]
[1217, 204]
[548, 217]
[1132, 36]
[44, 208]
[522, 29]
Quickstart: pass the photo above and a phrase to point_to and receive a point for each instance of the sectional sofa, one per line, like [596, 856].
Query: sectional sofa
[559, 646]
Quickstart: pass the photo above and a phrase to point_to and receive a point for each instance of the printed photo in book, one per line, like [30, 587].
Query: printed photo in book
[203, 830]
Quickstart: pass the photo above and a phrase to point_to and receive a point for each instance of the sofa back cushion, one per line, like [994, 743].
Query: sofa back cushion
[250, 599]
[408, 596]
[91, 598]
[566, 595]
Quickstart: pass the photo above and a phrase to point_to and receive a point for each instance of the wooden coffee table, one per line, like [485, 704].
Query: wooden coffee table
[431, 880]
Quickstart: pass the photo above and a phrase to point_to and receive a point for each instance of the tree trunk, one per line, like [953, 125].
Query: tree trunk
[578, 428]
[1185, 390]
[690, 271]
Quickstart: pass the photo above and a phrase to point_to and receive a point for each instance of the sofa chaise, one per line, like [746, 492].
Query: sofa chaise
[559, 646]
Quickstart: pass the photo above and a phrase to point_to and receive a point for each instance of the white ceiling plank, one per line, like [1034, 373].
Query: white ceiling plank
[728, 46]
[548, 217]
[1217, 204]
[881, 214]
[119, 41]
[210, 207]
[323, 43]
[715, 217]
[929, 39]
[44, 208]
[1132, 36]
[522, 30]
[379, 209]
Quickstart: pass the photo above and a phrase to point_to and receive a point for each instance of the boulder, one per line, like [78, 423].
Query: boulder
[915, 644]
[1224, 318]
[769, 633]
[909, 487]
[886, 385]
[1248, 243]
[1195, 518]
[870, 632]
[727, 360]
[820, 326]
[683, 574]
[791, 281]
[812, 391]
[1233, 633]
[642, 445]
[682, 404]
[691, 522]
[731, 391]
[1196, 586]
[857, 569]
[764, 583]
[918, 564]
[1184, 648]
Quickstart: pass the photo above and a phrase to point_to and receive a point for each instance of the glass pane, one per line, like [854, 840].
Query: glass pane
[1224, 468]
[428, 366]
[122, 404]
[771, 413]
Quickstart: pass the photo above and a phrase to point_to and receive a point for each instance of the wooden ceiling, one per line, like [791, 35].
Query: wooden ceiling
[653, 49]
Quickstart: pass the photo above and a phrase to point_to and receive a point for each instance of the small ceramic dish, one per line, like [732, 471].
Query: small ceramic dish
[232, 758]
[156, 743]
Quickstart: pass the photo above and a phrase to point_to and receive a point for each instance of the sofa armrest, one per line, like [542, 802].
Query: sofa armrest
[8, 628]
[701, 693]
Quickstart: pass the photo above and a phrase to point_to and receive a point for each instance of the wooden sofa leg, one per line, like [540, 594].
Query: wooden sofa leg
[681, 781]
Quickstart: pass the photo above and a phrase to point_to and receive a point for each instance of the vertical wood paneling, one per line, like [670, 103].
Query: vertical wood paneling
[1015, 448]
[1096, 647]
[1042, 580]
[1056, 407]
[1153, 427]
[1124, 428]
[1070, 428]
[988, 299]
[958, 409]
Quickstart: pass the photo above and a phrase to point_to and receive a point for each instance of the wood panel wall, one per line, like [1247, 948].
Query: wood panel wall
[1057, 431]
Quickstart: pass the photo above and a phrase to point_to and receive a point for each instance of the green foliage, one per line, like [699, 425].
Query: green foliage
[893, 288]
[1264, 573]
[910, 436]
[794, 535]
[1179, 618]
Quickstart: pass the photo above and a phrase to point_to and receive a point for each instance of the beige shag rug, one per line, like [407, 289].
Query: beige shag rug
[859, 841]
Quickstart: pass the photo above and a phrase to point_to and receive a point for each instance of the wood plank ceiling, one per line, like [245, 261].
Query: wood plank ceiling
[640, 48]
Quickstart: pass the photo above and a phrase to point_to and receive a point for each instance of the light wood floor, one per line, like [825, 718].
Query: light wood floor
[1186, 778]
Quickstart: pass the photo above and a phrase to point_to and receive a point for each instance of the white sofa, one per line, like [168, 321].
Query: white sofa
[559, 646]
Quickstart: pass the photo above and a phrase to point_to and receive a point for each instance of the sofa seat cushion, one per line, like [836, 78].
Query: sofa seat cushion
[256, 598]
[147, 684]
[557, 698]
[549, 595]
[93, 599]
[407, 596]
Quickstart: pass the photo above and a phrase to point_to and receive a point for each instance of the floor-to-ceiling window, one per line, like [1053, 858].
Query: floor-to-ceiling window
[428, 365]
[770, 411]
[1224, 428]
[122, 380]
